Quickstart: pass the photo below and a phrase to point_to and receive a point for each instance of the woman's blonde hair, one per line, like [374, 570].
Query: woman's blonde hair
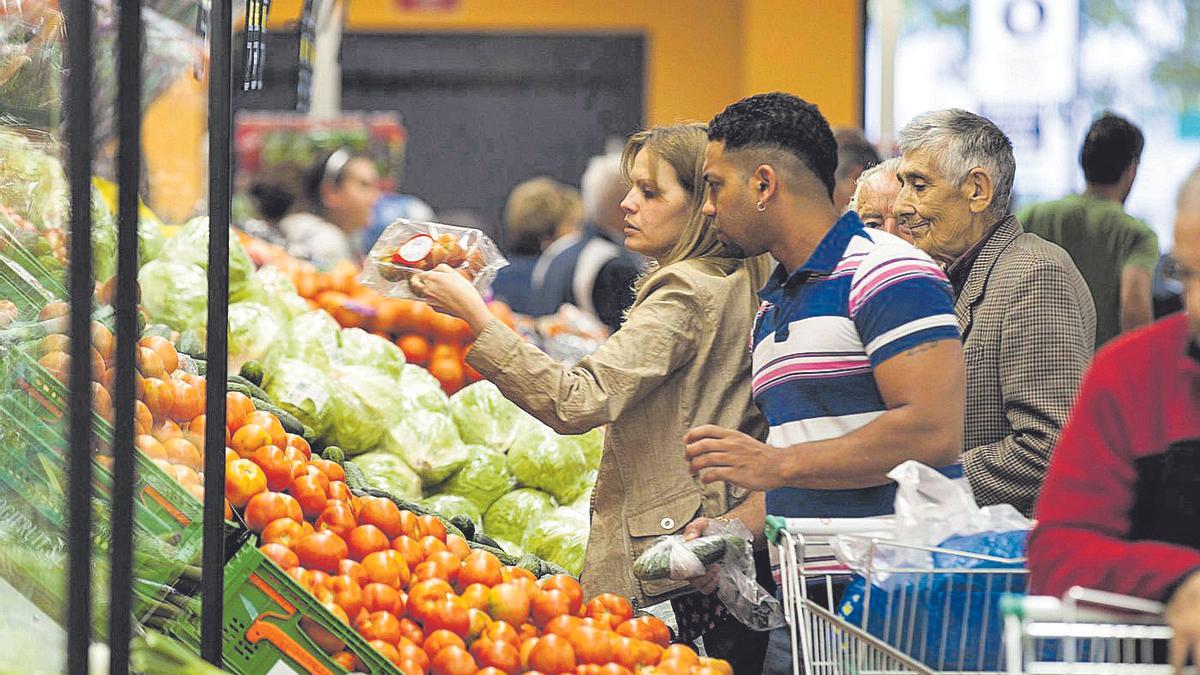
[682, 146]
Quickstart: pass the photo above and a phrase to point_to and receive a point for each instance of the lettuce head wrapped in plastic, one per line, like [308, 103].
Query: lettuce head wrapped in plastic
[273, 289]
[311, 338]
[483, 479]
[253, 328]
[175, 294]
[485, 417]
[305, 391]
[190, 245]
[360, 348]
[448, 506]
[429, 443]
[104, 238]
[387, 472]
[510, 515]
[542, 459]
[369, 405]
[561, 537]
[421, 390]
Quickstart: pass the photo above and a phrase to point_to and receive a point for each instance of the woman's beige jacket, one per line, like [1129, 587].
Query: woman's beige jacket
[680, 360]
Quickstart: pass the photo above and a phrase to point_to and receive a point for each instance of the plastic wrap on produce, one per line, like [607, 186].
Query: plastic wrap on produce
[483, 479]
[409, 247]
[387, 472]
[450, 506]
[31, 65]
[429, 443]
[556, 464]
[512, 514]
[485, 417]
[561, 537]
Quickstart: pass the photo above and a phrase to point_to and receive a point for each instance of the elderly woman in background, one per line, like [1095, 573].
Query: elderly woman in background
[875, 195]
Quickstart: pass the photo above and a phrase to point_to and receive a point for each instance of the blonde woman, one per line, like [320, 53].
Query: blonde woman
[680, 359]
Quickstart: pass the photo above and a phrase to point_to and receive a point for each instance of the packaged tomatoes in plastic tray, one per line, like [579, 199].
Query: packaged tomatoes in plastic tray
[408, 247]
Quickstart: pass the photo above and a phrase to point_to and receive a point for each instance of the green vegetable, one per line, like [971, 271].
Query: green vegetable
[655, 563]
[512, 514]
[369, 404]
[560, 537]
[305, 391]
[290, 423]
[312, 338]
[421, 390]
[253, 372]
[275, 290]
[253, 328]
[556, 464]
[483, 479]
[334, 454]
[485, 417]
[190, 246]
[255, 390]
[450, 506]
[175, 294]
[156, 654]
[191, 341]
[360, 348]
[429, 443]
[388, 473]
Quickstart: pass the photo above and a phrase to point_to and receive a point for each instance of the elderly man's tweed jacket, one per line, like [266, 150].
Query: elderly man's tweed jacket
[1028, 326]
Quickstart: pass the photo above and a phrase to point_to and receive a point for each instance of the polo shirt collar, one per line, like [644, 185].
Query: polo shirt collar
[824, 259]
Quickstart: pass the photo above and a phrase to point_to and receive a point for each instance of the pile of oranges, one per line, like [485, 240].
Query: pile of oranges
[435, 341]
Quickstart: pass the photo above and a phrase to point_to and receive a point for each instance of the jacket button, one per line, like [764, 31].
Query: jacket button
[667, 524]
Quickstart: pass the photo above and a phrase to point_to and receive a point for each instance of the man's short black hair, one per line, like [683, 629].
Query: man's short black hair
[1111, 145]
[783, 121]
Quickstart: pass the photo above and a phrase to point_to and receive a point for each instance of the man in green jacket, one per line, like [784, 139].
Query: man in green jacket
[1115, 252]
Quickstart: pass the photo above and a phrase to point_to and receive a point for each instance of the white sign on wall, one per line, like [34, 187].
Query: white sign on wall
[1024, 51]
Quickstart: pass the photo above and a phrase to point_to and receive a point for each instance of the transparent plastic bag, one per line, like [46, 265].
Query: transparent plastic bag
[408, 247]
[726, 544]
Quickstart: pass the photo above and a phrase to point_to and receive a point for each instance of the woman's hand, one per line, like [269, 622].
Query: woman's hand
[450, 293]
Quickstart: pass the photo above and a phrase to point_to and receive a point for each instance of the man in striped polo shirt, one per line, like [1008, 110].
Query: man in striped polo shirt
[857, 363]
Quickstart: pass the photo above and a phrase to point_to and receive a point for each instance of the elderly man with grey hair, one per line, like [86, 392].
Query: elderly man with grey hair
[1025, 312]
[874, 198]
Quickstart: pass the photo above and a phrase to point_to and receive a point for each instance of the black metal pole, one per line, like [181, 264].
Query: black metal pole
[220, 143]
[79, 169]
[129, 122]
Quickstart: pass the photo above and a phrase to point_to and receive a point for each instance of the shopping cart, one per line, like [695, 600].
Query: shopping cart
[1086, 632]
[896, 617]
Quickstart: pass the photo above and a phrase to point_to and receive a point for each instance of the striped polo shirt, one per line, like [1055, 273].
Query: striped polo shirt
[863, 297]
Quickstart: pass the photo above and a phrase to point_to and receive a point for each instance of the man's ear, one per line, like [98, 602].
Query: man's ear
[978, 190]
[765, 182]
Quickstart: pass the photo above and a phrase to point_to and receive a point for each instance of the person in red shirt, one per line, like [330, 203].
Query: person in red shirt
[1120, 510]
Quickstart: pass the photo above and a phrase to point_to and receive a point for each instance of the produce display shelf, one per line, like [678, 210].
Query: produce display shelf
[21, 287]
[265, 621]
[12, 248]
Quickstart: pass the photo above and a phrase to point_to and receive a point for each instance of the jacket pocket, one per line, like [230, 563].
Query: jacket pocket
[667, 516]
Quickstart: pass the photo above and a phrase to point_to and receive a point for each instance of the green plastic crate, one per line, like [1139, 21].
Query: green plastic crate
[264, 610]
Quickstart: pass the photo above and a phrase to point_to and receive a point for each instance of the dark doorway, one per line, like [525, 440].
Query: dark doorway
[485, 112]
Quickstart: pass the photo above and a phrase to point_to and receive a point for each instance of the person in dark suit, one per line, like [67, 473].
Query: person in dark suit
[1024, 310]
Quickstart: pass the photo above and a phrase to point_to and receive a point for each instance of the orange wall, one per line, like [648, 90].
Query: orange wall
[701, 56]
[811, 48]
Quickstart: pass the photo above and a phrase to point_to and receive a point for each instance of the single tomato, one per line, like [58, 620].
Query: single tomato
[592, 644]
[648, 628]
[410, 549]
[158, 396]
[438, 640]
[549, 604]
[237, 406]
[271, 424]
[354, 570]
[382, 569]
[347, 594]
[382, 513]
[552, 654]
[458, 546]
[321, 551]
[609, 608]
[567, 584]
[338, 518]
[475, 596]
[285, 531]
[433, 526]
[449, 613]
[332, 470]
[364, 540]
[243, 480]
[312, 497]
[453, 660]
[248, 438]
[377, 597]
[265, 508]
[281, 555]
[480, 567]
[501, 655]
[509, 602]
[380, 626]
[298, 442]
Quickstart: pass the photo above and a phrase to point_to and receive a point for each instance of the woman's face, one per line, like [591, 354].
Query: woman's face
[350, 202]
[656, 209]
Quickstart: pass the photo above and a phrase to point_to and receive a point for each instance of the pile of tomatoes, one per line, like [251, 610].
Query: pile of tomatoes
[429, 603]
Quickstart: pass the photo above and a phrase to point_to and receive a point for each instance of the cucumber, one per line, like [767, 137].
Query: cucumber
[289, 422]
[259, 392]
[656, 563]
[334, 454]
[252, 371]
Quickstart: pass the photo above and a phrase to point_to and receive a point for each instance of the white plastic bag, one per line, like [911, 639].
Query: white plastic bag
[930, 508]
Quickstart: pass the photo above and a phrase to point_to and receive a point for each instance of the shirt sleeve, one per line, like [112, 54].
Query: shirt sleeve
[1082, 536]
[1143, 250]
[899, 299]
[657, 339]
